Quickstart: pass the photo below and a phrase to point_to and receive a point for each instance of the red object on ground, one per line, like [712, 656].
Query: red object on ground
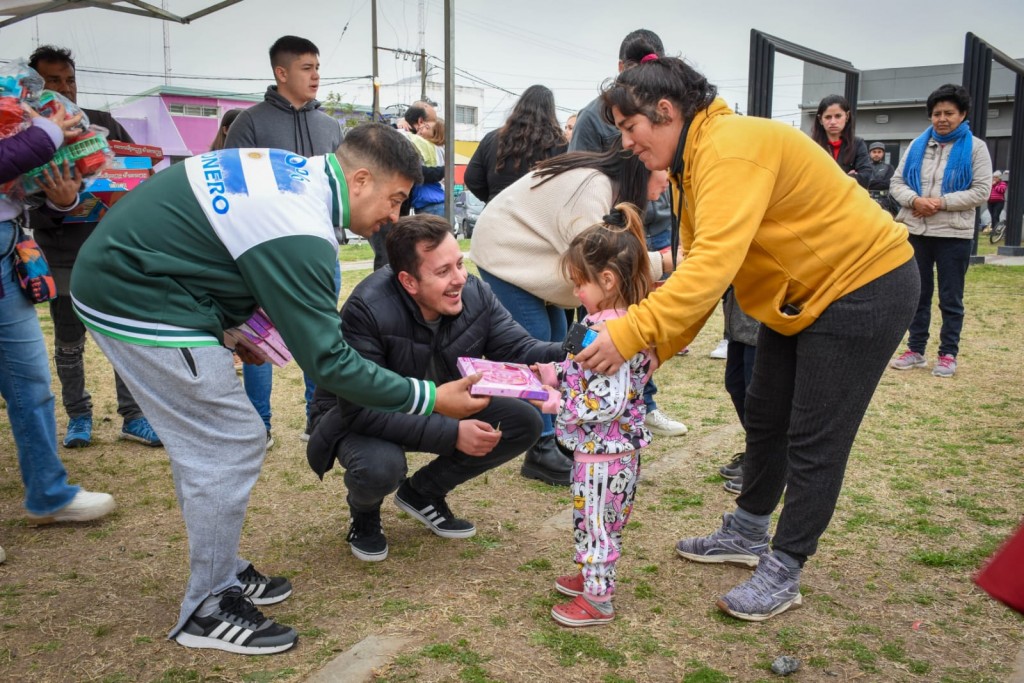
[1003, 576]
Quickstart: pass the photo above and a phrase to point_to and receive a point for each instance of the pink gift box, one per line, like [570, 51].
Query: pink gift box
[502, 379]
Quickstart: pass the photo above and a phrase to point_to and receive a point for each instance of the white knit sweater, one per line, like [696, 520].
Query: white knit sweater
[522, 232]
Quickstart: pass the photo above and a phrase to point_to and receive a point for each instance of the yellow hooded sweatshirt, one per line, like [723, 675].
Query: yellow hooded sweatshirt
[762, 207]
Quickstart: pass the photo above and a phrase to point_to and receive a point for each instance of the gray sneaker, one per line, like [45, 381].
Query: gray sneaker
[724, 546]
[908, 361]
[772, 589]
[945, 366]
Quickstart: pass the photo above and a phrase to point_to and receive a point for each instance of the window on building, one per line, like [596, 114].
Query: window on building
[179, 109]
[464, 114]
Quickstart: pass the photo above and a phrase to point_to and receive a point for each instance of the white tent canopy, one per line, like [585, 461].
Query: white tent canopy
[17, 10]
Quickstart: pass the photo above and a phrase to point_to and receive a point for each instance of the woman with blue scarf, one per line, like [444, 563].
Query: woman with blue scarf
[943, 177]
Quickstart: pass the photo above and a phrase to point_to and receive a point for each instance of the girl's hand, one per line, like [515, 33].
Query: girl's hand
[59, 184]
[601, 355]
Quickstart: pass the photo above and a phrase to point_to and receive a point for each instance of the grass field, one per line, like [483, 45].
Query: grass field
[934, 484]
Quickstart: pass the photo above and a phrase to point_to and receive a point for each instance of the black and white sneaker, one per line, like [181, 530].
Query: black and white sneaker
[366, 537]
[264, 590]
[435, 514]
[237, 626]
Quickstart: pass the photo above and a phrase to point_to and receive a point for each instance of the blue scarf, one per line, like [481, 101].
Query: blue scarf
[958, 174]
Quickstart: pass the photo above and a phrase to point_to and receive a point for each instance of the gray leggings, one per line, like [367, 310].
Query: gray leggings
[216, 443]
[806, 401]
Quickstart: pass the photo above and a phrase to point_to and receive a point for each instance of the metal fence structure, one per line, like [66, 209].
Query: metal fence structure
[978, 58]
[762, 71]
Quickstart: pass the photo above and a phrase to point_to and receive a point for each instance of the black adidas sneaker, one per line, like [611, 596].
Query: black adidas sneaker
[434, 513]
[264, 590]
[237, 626]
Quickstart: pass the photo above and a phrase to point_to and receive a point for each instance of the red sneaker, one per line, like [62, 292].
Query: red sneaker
[579, 612]
[570, 584]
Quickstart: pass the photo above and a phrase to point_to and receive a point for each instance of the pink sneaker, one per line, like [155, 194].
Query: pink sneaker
[945, 366]
[908, 361]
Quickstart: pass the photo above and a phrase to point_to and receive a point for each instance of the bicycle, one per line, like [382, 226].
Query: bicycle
[998, 231]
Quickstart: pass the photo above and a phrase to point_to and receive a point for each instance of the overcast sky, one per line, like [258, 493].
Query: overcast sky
[568, 46]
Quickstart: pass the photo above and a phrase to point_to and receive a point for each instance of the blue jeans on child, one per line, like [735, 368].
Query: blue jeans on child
[542, 320]
[25, 386]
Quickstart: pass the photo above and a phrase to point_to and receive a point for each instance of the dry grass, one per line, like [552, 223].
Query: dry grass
[933, 484]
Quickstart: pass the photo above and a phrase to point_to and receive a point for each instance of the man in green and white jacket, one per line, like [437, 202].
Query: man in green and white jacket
[192, 252]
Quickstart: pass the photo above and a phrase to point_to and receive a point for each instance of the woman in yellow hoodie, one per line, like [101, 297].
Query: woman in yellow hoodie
[812, 257]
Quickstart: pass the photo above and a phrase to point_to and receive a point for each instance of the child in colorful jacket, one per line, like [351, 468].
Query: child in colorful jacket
[601, 417]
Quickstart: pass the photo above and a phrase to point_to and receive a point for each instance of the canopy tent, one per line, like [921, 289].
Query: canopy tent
[17, 10]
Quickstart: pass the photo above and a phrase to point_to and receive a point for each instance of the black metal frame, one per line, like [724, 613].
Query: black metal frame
[762, 71]
[978, 58]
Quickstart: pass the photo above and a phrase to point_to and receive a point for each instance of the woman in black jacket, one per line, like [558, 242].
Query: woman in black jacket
[531, 133]
[833, 129]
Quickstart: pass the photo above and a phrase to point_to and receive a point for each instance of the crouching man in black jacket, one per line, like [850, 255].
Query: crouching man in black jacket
[416, 317]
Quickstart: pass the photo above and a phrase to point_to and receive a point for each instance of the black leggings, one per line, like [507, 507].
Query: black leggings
[806, 401]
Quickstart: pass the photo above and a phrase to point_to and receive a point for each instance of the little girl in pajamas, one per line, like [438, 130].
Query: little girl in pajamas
[601, 417]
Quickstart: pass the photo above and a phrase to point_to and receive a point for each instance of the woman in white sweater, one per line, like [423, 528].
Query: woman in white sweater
[522, 233]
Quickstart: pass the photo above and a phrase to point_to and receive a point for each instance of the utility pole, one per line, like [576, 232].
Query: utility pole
[423, 75]
[167, 47]
[376, 72]
[449, 105]
[423, 49]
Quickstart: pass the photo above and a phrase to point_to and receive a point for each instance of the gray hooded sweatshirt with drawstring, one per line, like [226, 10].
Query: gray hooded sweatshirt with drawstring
[276, 124]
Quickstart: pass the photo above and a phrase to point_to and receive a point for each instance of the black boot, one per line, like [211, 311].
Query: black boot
[545, 461]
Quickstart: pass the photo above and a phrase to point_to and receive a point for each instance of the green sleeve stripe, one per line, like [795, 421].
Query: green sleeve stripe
[431, 397]
[422, 399]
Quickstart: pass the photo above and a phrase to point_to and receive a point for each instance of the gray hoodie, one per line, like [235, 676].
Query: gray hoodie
[275, 123]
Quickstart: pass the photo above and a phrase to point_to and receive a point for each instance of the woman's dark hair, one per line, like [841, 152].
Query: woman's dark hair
[530, 132]
[616, 244]
[222, 134]
[637, 45]
[819, 135]
[628, 174]
[637, 90]
[957, 94]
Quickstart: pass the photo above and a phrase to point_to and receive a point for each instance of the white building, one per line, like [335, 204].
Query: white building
[396, 97]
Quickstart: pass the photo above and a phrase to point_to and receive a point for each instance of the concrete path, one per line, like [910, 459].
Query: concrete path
[359, 661]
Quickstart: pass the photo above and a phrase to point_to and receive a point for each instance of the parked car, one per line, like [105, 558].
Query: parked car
[467, 210]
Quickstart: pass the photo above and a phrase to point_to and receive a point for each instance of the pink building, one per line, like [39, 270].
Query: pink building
[181, 121]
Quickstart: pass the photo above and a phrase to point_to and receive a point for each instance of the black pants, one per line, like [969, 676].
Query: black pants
[995, 210]
[739, 370]
[69, 359]
[806, 401]
[375, 467]
[948, 258]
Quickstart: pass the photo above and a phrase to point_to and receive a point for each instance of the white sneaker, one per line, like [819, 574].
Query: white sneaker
[663, 425]
[85, 506]
[721, 351]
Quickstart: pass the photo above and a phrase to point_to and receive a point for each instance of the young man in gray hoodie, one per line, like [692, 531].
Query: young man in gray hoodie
[288, 118]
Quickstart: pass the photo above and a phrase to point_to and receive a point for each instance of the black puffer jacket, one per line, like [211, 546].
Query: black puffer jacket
[382, 322]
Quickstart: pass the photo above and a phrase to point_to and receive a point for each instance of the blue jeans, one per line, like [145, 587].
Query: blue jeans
[435, 209]
[655, 243]
[542, 320]
[949, 256]
[259, 379]
[25, 386]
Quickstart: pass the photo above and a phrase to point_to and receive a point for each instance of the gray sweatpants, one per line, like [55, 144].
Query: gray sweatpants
[216, 442]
